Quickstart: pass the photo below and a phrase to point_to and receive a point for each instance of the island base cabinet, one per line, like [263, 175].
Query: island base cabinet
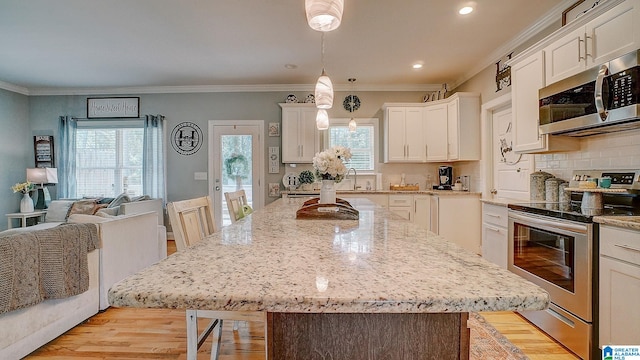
[351, 336]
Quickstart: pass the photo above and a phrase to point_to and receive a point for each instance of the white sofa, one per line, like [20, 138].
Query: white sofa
[129, 243]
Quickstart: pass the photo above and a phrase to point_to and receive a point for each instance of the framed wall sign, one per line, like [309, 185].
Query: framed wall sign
[43, 151]
[119, 107]
[578, 9]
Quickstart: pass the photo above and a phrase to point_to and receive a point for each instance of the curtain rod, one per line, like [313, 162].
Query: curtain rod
[119, 119]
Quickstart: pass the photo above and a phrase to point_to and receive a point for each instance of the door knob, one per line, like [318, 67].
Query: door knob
[217, 188]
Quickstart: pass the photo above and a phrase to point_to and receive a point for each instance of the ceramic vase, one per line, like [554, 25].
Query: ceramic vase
[328, 192]
[26, 204]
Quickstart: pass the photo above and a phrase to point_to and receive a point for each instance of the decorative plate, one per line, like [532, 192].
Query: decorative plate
[292, 98]
[311, 99]
[351, 103]
[290, 179]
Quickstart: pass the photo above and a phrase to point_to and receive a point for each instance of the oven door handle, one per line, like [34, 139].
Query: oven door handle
[600, 106]
[530, 219]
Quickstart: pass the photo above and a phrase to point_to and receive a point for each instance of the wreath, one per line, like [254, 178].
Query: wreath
[237, 165]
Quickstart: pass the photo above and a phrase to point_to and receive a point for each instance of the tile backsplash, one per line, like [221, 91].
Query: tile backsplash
[608, 151]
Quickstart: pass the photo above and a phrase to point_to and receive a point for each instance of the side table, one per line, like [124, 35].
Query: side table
[24, 216]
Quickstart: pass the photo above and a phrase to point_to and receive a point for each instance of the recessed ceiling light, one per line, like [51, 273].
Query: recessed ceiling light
[291, 66]
[417, 65]
[465, 10]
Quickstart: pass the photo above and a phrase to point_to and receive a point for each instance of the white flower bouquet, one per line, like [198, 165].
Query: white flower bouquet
[329, 164]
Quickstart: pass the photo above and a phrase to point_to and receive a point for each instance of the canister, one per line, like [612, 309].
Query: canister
[537, 186]
[552, 187]
[564, 196]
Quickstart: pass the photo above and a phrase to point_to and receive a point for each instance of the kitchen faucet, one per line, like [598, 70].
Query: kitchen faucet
[355, 177]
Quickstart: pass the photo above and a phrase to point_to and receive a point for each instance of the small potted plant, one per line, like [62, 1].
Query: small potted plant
[306, 178]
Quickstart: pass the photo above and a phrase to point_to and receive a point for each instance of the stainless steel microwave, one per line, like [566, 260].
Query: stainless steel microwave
[602, 99]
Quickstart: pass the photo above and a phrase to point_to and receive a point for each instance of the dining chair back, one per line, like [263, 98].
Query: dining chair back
[191, 220]
[236, 203]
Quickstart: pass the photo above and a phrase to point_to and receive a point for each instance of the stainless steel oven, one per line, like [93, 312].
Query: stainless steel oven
[557, 255]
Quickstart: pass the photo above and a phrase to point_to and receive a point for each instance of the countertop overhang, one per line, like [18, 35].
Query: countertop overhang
[380, 263]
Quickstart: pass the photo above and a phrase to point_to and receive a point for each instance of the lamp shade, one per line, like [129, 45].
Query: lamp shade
[322, 119]
[42, 175]
[353, 125]
[324, 15]
[324, 92]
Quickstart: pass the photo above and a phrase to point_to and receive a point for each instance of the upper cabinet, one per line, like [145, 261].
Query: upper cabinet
[403, 134]
[527, 76]
[444, 130]
[463, 127]
[300, 139]
[608, 36]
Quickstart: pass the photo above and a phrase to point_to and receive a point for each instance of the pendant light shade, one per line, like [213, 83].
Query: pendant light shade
[324, 92]
[324, 15]
[322, 119]
[352, 125]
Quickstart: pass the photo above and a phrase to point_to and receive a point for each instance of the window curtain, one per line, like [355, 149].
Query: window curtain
[67, 163]
[153, 163]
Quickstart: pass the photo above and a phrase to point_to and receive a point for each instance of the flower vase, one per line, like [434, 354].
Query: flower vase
[328, 192]
[26, 204]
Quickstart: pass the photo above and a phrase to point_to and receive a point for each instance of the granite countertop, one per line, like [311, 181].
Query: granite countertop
[628, 222]
[270, 261]
[387, 192]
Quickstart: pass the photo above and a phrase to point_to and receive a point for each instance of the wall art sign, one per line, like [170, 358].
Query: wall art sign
[578, 9]
[503, 73]
[274, 129]
[119, 107]
[186, 138]
[43, 151]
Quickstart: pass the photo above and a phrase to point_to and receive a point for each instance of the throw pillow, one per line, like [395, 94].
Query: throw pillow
[86, 206]
[58, 211]
[122, 198]
[86, 219]
[108, 211]
[140, 198]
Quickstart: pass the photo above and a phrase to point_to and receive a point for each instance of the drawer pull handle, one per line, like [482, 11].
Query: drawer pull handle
[494, 215]
[493, 229]
[625, 247]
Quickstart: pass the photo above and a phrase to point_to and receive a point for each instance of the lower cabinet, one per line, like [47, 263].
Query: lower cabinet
[459, 220]
[379, 199]
[402, 205]
[495, 237]
[619, 286]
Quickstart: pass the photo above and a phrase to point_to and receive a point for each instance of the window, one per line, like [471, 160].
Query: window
[109, 158]
[362, 142]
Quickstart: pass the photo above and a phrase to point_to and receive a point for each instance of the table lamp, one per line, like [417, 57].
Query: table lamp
[42, 176]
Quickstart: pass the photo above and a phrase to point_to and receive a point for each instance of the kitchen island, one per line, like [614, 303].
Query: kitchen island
[377, 287]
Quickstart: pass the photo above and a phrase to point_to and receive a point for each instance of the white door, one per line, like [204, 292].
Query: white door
[235, 162]
[510, 170]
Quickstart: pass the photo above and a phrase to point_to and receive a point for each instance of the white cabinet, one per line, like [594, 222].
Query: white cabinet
[610, 35]
[495, 223]
[619, 313]
[379, 199]
[403, 134]
[435, 118]
[463, 127]
[422, 211]
[402, 205]
[458, 219]
[527, 77]
[300, 140]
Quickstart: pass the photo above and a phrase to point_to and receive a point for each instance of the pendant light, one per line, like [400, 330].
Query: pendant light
[324, 87]
[352, 123]
[322, 119]
[324, 15]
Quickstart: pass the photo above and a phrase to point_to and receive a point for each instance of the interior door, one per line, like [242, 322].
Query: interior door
[235, 162]
[510, 170]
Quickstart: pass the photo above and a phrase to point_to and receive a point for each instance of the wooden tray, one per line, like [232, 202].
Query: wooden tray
[415, 187]
[597, 190]
[341, 210]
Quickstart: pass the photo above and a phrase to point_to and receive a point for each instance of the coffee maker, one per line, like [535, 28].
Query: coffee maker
[445, 178]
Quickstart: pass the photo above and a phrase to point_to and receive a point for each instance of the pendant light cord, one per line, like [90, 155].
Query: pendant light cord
[322, 52]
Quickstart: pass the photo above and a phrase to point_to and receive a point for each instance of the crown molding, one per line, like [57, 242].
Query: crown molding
[224, 88]
[552, 16]
[14, 88]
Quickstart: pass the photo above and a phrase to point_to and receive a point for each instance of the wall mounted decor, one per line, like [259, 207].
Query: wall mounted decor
[274, 129]
[503, 73]
[43, 151]
[119, 107]
[186, 138]
[578, 9]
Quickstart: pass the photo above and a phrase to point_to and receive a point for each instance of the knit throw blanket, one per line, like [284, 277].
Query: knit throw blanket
[45, 264]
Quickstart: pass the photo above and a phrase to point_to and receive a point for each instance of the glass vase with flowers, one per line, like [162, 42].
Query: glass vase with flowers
[26, 203]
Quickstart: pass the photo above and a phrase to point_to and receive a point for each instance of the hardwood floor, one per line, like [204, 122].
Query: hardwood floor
[124, 334]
